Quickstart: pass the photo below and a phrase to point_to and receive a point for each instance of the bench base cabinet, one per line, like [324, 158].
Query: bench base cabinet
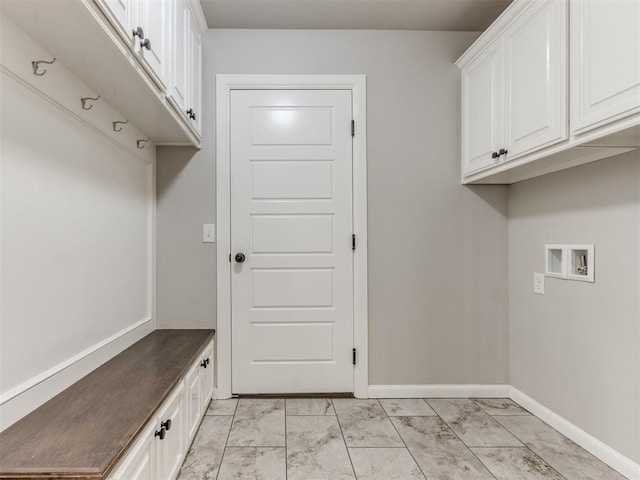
[160, 450]
[517, 85]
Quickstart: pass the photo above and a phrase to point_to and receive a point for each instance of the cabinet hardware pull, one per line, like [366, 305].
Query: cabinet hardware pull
[140, 143]
[83, 100]
[36, 63]
[203, 363]
[161, 433]
[502, 152]
[166, 424]
[191, 114]
[146, 43]
[138, 32]
[494, 155]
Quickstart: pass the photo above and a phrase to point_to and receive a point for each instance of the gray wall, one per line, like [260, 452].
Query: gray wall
[437, 258]
[576, 350]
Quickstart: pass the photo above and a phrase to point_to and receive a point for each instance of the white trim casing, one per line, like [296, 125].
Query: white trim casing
[439, 391]
[608, 455]
[224, 85]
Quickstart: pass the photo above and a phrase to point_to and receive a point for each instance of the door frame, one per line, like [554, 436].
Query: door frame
[224, 85]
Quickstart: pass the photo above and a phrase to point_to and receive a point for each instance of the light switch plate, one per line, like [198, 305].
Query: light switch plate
[538, 283]
[208, 233]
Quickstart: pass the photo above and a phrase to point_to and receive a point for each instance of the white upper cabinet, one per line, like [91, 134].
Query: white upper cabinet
[185, 90]
[142, 57]
[514, 89]
[527, 110]
[536, 78]
[178, 92]
[605, 65]
[482, 109]
[122, 14]
[195, 84]
[154, 42]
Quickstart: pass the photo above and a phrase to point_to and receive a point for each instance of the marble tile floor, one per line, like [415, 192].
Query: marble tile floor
[387, 439]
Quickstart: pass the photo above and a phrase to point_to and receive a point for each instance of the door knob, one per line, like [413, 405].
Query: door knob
[240, 257]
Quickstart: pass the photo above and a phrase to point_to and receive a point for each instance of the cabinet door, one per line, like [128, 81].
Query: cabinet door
[206, 376]
[170, 450]
[178, 93]
[195, 72]
[536, 78]
[154, 20]
[193, 400]
[122, 15]
[140, 461]
[605, 61]
[482, 109]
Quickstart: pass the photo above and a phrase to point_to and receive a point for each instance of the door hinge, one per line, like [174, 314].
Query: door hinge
[353, 241]
[353, 128]
[354, 356]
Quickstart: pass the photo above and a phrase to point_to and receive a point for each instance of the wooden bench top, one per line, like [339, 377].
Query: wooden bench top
[83, 432]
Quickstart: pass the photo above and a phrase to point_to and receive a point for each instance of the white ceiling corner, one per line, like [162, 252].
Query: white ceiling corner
[453, 15]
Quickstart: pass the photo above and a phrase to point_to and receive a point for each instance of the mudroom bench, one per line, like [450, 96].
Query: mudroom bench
[132, 418]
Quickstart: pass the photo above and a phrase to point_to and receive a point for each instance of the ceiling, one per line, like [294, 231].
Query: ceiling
[456, 15]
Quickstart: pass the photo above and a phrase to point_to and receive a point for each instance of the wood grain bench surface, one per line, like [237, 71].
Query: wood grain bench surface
[83, 432]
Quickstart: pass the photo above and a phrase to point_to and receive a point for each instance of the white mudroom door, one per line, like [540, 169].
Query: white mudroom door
[291, 239]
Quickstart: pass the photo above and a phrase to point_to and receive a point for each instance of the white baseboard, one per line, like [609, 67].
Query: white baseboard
[26, 397]
[439, 391]
[595, 447]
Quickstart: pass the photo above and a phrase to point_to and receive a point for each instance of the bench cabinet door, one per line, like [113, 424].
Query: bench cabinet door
[139, 463]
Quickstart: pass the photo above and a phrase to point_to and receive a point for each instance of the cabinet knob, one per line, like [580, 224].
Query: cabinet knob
[204, 363]
[502, 151]
[138, 32]
[161, 433]
[191, 114]
[166, 424]
[146, 43]
[494, 155]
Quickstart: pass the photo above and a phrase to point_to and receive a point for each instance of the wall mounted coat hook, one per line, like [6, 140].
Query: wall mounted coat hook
[141, 142]
[83, 100]
[36, 65]
[116, 128]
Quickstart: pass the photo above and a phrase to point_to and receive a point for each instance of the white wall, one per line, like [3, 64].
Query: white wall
[437, 249]
[576, 350]
[76, 236]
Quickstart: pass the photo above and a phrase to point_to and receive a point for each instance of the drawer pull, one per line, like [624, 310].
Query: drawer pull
[166, 425]
[161, 433]
[205, 362]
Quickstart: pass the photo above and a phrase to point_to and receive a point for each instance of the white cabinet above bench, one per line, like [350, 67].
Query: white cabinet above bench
[517, 88]
[130, 53]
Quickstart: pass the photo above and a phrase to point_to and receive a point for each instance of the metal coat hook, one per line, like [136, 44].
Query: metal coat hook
[140, 143]
[115, 125]
[84, 102]
[36, 63]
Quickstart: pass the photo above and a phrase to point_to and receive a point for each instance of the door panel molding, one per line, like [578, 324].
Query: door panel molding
[224, 86]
